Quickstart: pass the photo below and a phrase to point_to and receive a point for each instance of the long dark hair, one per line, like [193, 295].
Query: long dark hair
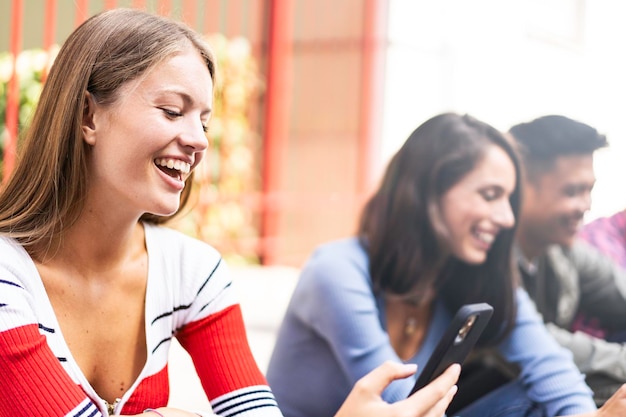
[401, 230]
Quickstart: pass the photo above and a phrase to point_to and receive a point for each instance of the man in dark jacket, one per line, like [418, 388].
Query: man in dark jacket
[580, 292]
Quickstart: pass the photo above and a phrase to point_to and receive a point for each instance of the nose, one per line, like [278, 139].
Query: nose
[194, 137]
[584, 202]
[503, 215]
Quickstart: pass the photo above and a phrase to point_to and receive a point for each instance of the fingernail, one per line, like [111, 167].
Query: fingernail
[411, 366]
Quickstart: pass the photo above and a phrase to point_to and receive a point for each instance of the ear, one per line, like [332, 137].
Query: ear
[530, 191]
[89, 126]
[531, 184]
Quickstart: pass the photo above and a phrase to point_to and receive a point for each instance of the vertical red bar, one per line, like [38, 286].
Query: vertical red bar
[234, 18]
[275, 136]
[13, 96]
[49, 27]
[372, 79]
[189, 13]
[212, 14]
[110, 4]
[81, 11]
[165, 7]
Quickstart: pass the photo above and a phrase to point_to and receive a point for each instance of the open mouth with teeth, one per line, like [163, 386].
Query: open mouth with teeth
[173, 167]
[486, 238]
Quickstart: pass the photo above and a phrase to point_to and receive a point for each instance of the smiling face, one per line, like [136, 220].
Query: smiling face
[144, 145]
[555, 202]
[477, 208]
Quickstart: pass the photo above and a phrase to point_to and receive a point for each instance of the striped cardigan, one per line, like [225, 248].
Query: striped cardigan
[189, 296]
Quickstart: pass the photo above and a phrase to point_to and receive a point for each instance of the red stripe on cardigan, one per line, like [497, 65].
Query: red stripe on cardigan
[32, 381]
[220, 352]
[152, 392]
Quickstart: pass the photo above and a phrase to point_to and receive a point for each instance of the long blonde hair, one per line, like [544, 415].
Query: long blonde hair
[45, 194]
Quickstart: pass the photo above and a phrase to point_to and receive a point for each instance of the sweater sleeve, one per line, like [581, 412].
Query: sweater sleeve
[216, 340]
[603, 297]
[32, 379]
[602, 286]
[335, 298]
[547, 370]
[593, 355]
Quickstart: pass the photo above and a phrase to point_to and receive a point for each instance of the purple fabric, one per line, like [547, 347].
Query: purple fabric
[608, 235]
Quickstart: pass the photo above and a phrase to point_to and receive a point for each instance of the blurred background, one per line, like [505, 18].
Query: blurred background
[314, 96]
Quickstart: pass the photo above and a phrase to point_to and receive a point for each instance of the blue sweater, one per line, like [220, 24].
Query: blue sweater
[334, 332]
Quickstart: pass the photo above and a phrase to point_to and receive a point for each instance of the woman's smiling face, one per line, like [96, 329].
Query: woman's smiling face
[477, 207]
[145, 144]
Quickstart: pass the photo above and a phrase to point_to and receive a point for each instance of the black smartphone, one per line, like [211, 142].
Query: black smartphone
[457, 342]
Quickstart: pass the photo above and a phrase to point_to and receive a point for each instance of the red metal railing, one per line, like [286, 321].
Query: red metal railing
[277, 119]
[212, 21]
[270, 27]
[232, 18]
[13, 95]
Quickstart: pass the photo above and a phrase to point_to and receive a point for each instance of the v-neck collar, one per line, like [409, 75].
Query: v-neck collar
[70, 365]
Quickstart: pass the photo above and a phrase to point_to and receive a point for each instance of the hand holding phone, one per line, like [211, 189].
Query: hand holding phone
[457, 342]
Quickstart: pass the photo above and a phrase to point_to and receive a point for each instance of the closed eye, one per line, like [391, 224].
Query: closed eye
[172, 114]
[574, 190]
[491, 194]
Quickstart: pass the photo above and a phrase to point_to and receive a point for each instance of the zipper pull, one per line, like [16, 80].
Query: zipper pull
[111, 407]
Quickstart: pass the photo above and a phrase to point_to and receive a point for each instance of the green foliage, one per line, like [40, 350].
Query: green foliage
[30, 67]
[227, 181]
[228, 178]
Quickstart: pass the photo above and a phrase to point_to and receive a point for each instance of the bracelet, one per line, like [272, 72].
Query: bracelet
[147, 410]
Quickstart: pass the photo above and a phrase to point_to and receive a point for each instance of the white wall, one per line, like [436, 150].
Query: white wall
[508, 61]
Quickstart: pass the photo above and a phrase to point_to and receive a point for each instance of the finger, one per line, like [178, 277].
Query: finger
[440, 407]
[616, 405]
[432, 408]
[438, 389]
[378, 379]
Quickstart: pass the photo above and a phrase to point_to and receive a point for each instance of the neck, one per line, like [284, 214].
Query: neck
[407, 325]
[415, 299]
[530, 249]
[95, 243]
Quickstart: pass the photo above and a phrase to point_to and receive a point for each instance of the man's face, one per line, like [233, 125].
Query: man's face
[556, 200]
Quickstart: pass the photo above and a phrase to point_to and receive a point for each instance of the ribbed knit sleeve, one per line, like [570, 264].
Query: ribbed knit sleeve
[32, 380]
[547, 370]
[332, 335]
[227, 369]
[205, 317]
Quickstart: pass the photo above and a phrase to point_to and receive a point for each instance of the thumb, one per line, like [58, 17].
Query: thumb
[383, 375]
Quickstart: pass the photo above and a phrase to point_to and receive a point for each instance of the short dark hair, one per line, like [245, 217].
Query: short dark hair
[543, 140]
